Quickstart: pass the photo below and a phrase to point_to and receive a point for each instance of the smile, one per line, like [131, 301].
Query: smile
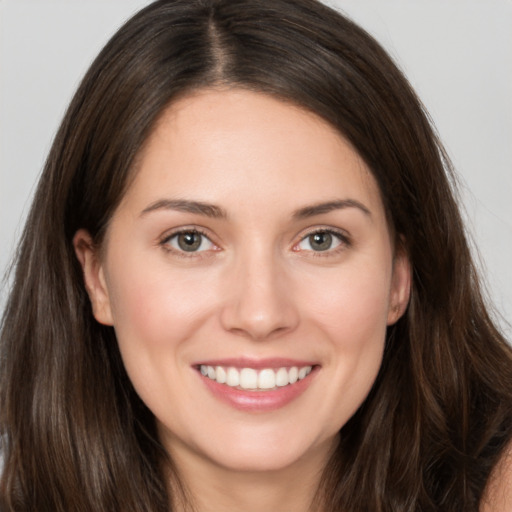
[250, 379]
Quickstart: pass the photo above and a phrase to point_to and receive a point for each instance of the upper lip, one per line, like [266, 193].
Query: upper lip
[257, 364]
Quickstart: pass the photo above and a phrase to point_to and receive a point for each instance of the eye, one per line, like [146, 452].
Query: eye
[322, 241]
[189, 241]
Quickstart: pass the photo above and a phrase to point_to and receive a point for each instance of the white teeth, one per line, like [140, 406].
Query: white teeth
[267, 379]
[249, 378]
[233, 377]
[282, 377]
[221, 375]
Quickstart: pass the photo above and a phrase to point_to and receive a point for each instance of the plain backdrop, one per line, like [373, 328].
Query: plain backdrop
[456, 53]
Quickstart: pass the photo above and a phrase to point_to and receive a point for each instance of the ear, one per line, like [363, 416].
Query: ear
[94, 276]
[400, 286]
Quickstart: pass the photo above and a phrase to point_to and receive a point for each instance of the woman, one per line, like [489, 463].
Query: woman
[244, 284]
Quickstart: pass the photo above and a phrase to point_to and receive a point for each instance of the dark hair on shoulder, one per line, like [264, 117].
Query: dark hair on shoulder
[74, 434]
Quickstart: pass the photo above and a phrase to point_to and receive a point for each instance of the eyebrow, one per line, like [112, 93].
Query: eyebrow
[321, 208]
[216, 212]
[184, 205]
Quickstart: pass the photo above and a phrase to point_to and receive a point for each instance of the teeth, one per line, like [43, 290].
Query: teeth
[267, 379]
[249, 378]
[233, 377]
[282, 377]
[221, 375]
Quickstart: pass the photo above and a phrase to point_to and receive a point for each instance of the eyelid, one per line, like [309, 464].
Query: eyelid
[163, 241]
[340, 234]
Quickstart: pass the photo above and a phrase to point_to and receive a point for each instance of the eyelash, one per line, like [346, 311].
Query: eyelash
[344, 242]
[164, 242]
[342, 237]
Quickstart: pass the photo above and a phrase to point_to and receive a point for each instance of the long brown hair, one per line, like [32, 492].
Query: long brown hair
[74, 434]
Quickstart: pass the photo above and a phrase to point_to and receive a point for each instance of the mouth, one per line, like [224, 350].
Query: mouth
[252, 379]
[257, 386]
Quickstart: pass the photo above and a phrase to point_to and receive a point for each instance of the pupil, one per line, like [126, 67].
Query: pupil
[189, 241]
[320, 241]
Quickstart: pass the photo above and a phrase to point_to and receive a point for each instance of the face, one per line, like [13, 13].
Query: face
[250, 274]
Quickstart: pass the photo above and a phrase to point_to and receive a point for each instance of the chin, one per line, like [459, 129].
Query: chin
[265, 452]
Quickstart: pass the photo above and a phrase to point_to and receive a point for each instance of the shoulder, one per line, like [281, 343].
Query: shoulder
[498, 493]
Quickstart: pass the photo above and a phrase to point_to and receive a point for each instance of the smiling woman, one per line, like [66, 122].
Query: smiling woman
[211, 310]
[244, 285]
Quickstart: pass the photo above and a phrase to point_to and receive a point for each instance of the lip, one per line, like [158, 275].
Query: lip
[257, 364]
[257, 401]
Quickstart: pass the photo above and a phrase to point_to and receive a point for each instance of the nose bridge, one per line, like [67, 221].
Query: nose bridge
[259, 303]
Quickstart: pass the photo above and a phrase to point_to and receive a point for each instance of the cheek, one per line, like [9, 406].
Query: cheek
[351, 315]
[352, 302]
[157, 311]
[156, 308]
[146, 293]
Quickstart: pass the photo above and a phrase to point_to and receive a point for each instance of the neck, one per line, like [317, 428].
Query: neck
[213, 488]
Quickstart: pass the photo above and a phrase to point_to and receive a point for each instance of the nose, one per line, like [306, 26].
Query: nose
[259, 303]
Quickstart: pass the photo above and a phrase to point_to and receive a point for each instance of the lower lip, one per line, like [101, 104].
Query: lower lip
[258, 401]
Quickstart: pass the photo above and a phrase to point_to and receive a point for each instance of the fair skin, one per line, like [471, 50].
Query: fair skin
[252, 237]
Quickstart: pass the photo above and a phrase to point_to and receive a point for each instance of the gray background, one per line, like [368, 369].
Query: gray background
[456, 53]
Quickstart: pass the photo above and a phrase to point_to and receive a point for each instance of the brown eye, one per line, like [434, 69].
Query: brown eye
[189, 241]
[321, 241]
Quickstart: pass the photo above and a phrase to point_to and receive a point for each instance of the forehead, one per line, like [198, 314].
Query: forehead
[221, 145]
